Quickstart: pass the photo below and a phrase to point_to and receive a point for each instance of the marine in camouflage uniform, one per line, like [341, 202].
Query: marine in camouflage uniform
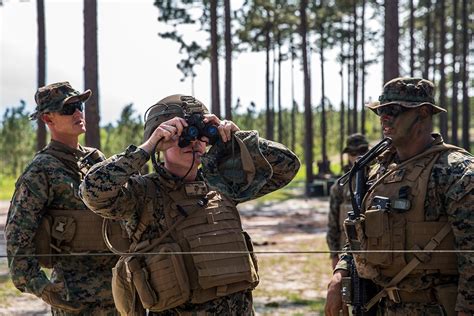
[339, 198]
[78, 284]
[112, 188]
[405, 109]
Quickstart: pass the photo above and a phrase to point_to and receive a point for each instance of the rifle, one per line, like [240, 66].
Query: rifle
[357, 291]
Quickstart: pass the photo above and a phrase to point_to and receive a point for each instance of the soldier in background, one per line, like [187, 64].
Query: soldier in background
[340, 200]
[46, 215]
[180, 207]
[421, 197]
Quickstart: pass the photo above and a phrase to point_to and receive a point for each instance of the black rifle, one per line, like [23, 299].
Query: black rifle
[360, 290]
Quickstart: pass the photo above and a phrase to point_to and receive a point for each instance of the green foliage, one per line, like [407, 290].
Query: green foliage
[7, 185]
[128, 130]
[17, 140]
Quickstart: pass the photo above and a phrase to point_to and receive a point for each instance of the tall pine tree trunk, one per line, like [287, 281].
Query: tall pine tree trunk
[41, 79]
[268, 113]
[355, 47]
[454, 98]
[442, 83]
[324, 167]
[91, 76]
[465, 78]
[308, 115]
[390, 62]
[280, 113]
[293, 102]
[228, 61]
[215, 94]
[362, 69]
[427, 54]
[342, 110]
[349, 76]
[412, 39]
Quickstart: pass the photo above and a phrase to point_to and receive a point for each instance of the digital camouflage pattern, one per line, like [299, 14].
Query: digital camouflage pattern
[50, 183]
[407, 92]
[338, 195]
[113, 189]
[450, 193]
[52, 97]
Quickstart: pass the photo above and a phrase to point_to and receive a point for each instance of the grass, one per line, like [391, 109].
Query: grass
[7, 186]
[7, 289]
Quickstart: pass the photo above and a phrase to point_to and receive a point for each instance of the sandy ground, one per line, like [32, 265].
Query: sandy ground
[296, 224]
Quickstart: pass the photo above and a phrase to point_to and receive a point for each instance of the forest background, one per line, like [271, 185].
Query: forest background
[353, 38]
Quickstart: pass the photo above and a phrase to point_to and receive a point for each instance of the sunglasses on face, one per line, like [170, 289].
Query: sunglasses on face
[391, 110]
[70, 108]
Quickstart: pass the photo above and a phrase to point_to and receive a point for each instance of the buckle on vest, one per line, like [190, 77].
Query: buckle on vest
[394, 295]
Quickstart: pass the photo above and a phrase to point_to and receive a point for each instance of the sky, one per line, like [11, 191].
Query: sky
[135, 64]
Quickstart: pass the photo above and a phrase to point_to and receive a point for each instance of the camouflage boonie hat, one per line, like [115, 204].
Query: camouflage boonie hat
[407, 92]
[52, 97]
[169, 107]
[237, 168]
[356, 143]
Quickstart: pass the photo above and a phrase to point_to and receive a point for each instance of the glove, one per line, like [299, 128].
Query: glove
[51, 295]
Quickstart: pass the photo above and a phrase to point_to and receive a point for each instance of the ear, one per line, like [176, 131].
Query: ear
[424, 111]
[47, 119]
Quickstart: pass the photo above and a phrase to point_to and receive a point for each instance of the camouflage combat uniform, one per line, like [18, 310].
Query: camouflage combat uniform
[112, 190]
[51, 183]
[450, 194]
[335, 237]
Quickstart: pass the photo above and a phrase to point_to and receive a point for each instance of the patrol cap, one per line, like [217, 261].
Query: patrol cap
[169, 107]
[231, 167]
[407, 92]
[356, 143]
[52, 97]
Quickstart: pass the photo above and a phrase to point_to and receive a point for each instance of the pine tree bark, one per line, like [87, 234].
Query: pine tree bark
[442, 83]
[41, 79]
[355, 47]
[91, 79]
[228, 61]
[215, 93]
[465, 78]
[391, 39]
[454, 97]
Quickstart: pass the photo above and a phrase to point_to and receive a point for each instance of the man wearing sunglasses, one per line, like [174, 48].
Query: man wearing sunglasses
[419, 220]
[47, 216]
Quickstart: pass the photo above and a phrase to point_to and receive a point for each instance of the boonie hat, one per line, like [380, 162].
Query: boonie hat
[169, 107]
[407, 92]
[356, 143]
[52, 97]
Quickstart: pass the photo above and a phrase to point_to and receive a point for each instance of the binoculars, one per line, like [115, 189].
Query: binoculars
[196, 129]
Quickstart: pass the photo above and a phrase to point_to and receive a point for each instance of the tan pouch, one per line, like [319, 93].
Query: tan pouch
[123, 290]
[63, 229]
[161, 280]
[446, 294]
[222, 269]
[377, 231]
[43, 242]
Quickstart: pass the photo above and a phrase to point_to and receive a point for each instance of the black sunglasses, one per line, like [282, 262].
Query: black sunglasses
[70, 108]
[393, 110]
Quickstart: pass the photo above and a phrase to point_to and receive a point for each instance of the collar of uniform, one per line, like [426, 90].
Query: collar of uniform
[72, 153]
[173, 182]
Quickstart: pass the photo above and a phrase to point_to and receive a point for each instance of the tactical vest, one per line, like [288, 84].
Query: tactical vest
[74, 231]
[403, 225]
[219, 257]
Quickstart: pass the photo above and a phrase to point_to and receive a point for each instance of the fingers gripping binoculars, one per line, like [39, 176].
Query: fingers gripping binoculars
[197, 129]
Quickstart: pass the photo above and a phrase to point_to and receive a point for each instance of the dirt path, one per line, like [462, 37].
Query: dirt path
[291, 284]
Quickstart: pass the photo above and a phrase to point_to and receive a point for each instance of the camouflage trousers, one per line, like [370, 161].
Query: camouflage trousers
[240, 303]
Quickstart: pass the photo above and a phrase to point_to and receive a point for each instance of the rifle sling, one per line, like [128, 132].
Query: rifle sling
[431, 245]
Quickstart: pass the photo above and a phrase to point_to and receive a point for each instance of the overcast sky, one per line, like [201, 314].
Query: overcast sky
[135, 64]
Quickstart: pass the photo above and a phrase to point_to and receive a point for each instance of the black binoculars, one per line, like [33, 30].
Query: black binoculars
[196, 129]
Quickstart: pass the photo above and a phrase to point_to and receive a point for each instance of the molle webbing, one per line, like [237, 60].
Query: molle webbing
[85, 228]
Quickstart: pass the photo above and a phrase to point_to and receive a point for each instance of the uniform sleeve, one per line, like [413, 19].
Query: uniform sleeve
[24, 217]
[333, 235]
[284, 163]
[460, 206]
[111, 188]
